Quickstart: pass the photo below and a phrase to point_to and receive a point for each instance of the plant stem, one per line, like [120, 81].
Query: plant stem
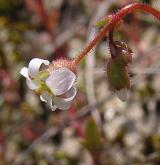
[115, 19]
[110, 41]
[44, 18]
[96, 161]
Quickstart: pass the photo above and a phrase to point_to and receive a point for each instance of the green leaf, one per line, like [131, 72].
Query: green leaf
[92, 139]
[42, 162]
[102, 22]
[147, 91]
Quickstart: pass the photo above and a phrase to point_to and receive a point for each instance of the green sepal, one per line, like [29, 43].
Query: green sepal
[92, 141]
[42, 87]
[43, 74]
[117, 75]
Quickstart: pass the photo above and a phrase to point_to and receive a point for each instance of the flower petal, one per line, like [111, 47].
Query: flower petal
[70, 95]
[24, 72]
[122, 94]
[65, 103]
[32, 84]
[46, 97]
[60, 80]
[34, 66]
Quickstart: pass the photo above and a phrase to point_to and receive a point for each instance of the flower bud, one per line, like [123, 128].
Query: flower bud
[116, 67]
[121, 52]
[117, 75]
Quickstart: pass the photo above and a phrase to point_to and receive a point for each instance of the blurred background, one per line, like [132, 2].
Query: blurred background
[98, 129]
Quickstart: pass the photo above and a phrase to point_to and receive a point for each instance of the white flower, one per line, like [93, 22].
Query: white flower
[32, 73]
[61, 84]
[122, 94]
[57, 88]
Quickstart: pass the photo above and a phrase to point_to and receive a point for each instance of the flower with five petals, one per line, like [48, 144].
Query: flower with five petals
[56, 87]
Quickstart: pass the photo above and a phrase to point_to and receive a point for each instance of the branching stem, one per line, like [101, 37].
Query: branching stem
[115, 19]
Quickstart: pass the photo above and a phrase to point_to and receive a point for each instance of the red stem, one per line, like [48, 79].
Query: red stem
[42, 13]
[115, 19]
[111, 42]
[96, 161]
[44, 17]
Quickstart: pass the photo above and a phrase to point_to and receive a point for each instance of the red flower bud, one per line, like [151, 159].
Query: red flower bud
[121, 52]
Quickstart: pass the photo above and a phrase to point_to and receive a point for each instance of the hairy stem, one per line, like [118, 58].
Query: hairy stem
[110, 41]
[115, 19]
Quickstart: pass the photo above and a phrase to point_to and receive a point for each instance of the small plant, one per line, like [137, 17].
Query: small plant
[55, 83]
